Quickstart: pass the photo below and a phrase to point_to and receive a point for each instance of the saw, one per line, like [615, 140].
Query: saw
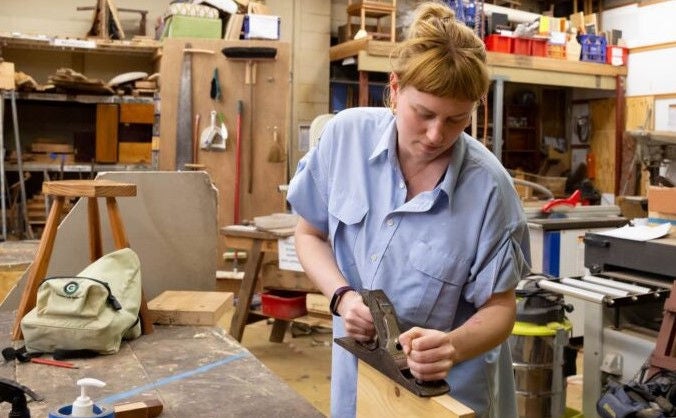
[384, 353]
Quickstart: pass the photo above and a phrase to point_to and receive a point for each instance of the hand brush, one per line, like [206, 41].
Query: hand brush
[276, 153]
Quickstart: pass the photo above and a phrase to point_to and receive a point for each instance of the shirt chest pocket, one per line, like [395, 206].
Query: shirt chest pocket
[346, 221]
[437, 277]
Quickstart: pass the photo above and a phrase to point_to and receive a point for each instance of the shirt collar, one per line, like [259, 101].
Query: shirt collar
[388, 143]
[450, 180]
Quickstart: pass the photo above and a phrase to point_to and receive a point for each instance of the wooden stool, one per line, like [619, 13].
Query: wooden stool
[92, 190]
[376, 9]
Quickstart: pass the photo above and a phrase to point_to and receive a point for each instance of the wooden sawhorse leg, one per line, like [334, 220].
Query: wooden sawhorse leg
[253, 267]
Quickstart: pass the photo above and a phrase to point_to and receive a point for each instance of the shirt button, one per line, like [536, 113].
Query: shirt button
[402, 184]
[390, 222]
[374, 258]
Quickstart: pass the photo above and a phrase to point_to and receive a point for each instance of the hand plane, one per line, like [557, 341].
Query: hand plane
[384, 353]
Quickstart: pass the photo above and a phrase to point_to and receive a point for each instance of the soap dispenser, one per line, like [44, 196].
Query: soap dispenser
[83, 406]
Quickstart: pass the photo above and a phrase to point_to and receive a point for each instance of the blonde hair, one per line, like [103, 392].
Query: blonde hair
[441, 56]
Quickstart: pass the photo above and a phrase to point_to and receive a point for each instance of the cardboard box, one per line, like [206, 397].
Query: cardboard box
[192, 27]
[662, 200]
[258, 26]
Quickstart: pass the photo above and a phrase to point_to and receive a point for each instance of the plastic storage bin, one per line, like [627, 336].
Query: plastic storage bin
[522, 46]
[616, 55]
[538, 47]
[556, 51]
[499, 43]
[283, 304]
[593, 48]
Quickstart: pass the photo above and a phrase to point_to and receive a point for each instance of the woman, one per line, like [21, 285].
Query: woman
[402, 200]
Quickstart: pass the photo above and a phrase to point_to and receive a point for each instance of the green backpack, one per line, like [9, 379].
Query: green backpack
[94, 310]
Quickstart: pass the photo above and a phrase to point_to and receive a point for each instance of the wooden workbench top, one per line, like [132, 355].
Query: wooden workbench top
[194, 371]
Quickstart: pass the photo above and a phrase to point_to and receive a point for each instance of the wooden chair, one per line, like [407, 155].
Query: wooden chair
[92, 190]
[373, 9]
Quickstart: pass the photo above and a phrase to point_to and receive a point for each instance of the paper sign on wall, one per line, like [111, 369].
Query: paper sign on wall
[288, 259]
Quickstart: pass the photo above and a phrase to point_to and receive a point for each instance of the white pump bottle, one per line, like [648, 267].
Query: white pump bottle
[83, 406]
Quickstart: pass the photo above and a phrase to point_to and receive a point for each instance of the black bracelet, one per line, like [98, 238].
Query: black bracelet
[337, 296]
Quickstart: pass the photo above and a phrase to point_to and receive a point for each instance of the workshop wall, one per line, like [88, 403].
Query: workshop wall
[650, 35]
[62, 18]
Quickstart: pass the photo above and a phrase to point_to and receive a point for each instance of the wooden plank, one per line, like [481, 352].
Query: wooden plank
[379, 396]
[275, 278]
[602, 141]
[6, 75]
[347, 49]
[88, 188]
[137, 113]
[106, 133]
[173, 307]
[135, 153]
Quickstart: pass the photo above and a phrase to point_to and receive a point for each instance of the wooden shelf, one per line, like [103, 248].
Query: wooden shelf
[374, 56]
[79, 98]
[145, 47]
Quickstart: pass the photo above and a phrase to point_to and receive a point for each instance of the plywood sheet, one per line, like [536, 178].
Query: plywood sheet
[175, 307]
[602, 143]
[265, 106]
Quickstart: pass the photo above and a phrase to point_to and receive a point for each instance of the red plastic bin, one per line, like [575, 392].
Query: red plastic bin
[616, 55]
[499, 43]
[522, 46]
[538, 47]
[283, 304]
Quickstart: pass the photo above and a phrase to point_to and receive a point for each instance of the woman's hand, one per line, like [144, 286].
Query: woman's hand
[357, 317]
[429, 353]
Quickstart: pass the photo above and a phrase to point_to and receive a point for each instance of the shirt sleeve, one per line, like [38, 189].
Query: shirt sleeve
[307, 192]
[503, 258]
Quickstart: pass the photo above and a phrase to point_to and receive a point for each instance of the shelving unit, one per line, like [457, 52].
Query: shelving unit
[373, 56]
[92, 123]
[521, 143]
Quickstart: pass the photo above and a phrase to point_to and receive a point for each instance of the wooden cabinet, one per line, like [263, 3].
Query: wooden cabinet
[521, 148]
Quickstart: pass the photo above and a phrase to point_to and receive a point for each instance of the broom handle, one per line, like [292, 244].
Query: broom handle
[238, 157]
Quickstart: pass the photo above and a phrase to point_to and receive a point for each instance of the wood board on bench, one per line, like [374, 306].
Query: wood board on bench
[174, 307]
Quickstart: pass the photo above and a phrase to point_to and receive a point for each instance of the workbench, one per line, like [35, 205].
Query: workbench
[194, 371]
[257, 243]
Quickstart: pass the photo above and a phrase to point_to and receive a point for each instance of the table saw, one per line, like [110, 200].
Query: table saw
[623, 299]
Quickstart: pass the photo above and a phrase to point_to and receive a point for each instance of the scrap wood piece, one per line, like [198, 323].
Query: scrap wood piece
[70, 80]
[176, 307]
[6, 75]
[149, 408]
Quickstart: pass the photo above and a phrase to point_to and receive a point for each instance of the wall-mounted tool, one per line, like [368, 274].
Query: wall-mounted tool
[385, 354]
[212, 136]
[276, 153]
[215, 91]
[15, 394]
[184, 128]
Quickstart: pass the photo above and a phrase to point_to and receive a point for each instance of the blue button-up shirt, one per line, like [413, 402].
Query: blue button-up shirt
[438, 257]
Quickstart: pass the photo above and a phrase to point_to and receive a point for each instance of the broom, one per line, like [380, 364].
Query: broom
[276, 152]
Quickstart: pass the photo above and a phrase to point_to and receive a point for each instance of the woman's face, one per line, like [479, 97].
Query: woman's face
[427, 125]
